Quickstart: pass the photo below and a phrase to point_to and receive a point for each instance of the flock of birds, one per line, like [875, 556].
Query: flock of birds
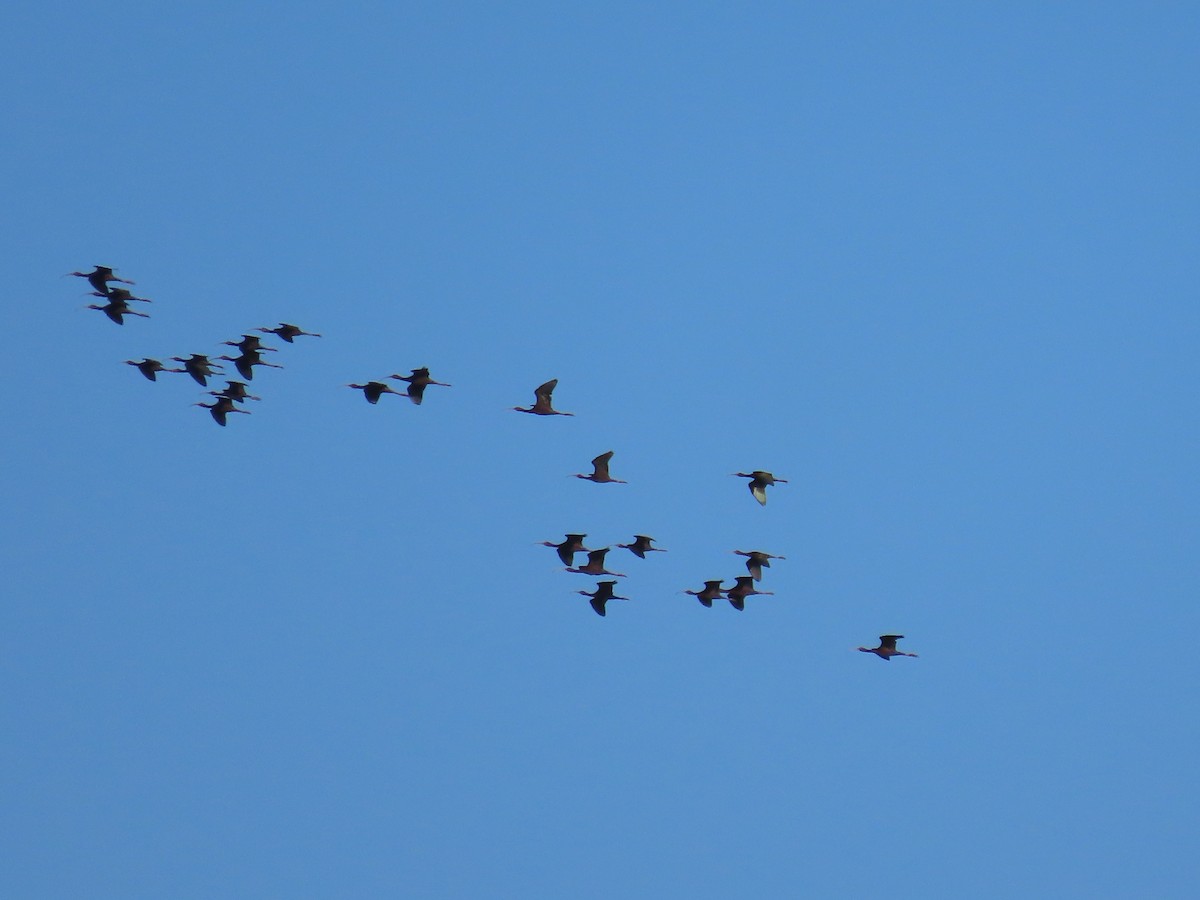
[232, 397]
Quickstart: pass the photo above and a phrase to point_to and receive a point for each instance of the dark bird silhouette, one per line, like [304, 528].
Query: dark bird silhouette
[712, 591]
[417, 382]
[568, 548]
[116, 310]
[235, 391]
[221, 407]
[287, 331]
[641, 546]
[887, 647]
[755, 560]
[150, 367]
[250, 342]
[100, 277]
[600, 471]
[373, 390]
[122, 295]
[595, 564]
[198, 366]
[541, 405]
[246, 362]
[759, 480]
[602, 594]
[743, 588]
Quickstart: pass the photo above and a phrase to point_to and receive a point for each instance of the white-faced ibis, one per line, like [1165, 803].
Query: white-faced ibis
[595, 564]
[287, 331]
[221, 407]
[198, 366]
[116, 310]
[712, 591]
[600, 471]
[755, 560]
[250, 342]
[568, 548]
[887, 647]
[759, 481]
[641, 546]
[541, 405]
[100, 277]
[122, 295]
[246, 362]
[373, 390]
[417, 382]
[235, 391]
[602, 594]
[743, 588]
[150, 367]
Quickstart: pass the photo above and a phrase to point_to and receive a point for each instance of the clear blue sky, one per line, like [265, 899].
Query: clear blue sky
[935, 263]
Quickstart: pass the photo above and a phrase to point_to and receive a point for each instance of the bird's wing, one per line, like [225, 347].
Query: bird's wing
[600, 464]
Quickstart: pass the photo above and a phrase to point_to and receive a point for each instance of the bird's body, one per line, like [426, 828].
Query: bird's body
[602, 594]
[287, 331]
[887, 647]
[373, 390]
[756, 560]
[199, 366]
[600, 471]
[743, 588]
[595, 564]
[247, 360]
[116, 310]
[417, 382]
[641, 546]
[150, 367]
[712, 591]
[99, 279]
[568, 548]
[759, 481]
[541, 404]
[220, 408]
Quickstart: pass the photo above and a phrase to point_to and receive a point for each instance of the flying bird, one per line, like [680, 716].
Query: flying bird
[417, 382]
[198, 366]
[595, 564]
[150, 367]
[755, 560]
[220, 407]
[116, 310]
[712, 591]
[641, 546]
[887, 647]
[743, 588]
[568, 548]
[235, 391]
[541, 405]
[600, 471]
[250, 342]
[287, 331]
[759, 481]
[246, 362]
[373, 390]
[100, 277]
[122, 295]
[602, 594]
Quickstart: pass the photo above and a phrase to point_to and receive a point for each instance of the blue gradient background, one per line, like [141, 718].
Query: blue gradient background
[934, 263]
